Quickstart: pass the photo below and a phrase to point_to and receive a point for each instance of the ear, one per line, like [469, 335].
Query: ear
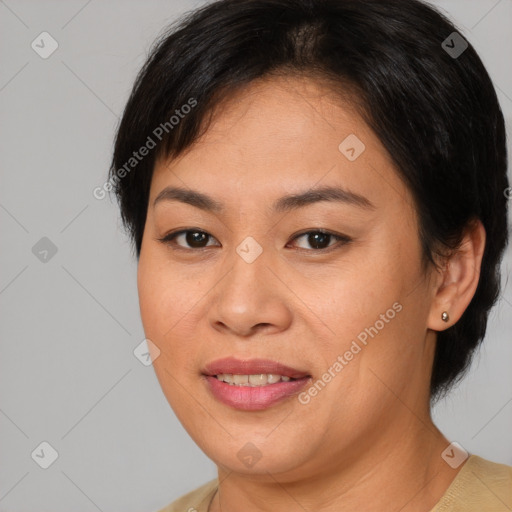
[457, 282]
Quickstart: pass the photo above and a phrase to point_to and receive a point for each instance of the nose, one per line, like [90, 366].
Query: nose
[250, 299]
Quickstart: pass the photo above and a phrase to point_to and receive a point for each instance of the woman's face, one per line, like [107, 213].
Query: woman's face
[254, 279]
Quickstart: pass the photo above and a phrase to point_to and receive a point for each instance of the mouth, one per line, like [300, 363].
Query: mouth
[253, 384]
[255, 380]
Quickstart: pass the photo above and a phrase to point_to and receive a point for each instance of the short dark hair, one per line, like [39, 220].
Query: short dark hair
[435, 112]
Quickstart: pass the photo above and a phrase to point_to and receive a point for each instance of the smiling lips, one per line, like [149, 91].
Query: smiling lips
[253, 384]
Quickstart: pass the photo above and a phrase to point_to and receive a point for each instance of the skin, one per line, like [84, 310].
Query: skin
[366, 441]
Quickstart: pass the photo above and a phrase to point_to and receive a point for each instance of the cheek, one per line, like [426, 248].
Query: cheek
[379, 337]
[167, 302]
[150, 292]
[161, 295]
[364, 312]
[353, 298]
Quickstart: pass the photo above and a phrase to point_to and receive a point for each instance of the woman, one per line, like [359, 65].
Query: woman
[317, 196]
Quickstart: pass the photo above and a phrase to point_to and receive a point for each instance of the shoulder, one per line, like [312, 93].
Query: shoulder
[485, 467]
[194, 501]
[480, 486]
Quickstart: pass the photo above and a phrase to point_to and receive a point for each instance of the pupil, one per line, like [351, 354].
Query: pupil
[317, 239]
[195, 238]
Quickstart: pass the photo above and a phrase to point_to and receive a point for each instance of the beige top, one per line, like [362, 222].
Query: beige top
[480, 486]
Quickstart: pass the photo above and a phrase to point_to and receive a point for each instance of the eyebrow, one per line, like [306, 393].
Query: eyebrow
[283, 204]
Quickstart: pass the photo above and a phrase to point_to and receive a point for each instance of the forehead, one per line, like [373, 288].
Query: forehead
[278, 135]
[271, 115]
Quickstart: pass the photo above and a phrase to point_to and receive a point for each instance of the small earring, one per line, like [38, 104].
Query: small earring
[445, 317]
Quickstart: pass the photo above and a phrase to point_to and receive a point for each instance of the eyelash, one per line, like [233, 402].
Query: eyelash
[342, 240]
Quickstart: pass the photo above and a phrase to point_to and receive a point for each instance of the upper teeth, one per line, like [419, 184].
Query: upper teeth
[261, 379]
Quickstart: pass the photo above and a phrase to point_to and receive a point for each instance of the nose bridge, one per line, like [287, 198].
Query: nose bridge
[249, 261]
[249, 257]
[246, 296]
[249, 250]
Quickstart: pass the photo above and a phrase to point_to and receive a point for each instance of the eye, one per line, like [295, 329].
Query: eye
[319, 239]
[193, 237]
[197, 239]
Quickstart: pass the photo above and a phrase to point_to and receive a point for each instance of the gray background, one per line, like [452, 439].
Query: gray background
[69, 325]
